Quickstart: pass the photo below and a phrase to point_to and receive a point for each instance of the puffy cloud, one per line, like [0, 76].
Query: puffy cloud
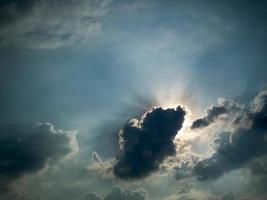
[118, 193]
[26, 151]
[235, 149]
[49, 23]
[146, 143]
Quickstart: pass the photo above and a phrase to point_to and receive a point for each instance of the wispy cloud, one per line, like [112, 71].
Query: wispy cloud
[50, 24]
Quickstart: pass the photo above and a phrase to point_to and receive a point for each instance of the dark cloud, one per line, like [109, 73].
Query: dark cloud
[12, 9]
[118, 193]
[212, 114]
[147, 142]
[225, 106]
[29, 150]
[235, 149]
[49, 23]
[259, 167]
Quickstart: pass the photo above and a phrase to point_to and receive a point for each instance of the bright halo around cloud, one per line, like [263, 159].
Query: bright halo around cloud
[170, 105]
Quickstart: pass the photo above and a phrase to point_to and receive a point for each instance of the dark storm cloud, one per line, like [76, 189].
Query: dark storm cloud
[49, 23]
[147, 142]
[29, 150]
[118, 193]
[235, 149]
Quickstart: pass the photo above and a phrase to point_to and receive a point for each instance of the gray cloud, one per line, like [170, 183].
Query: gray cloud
[235, 149]
[93, 196]
[196, 194]
[259, 166]
[146, 143]
[49, 23]
[99, 168]
[213, 113]
[26, 150]
[260, 102]
[190, 194]
[118, 193]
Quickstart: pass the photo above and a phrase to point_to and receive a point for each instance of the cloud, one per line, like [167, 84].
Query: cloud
[192, 194]
[196, 194]
[146, 143]
[213, 113]
[259, 166]
[118, 193]
[99, 168]
[260, 102]
[26, 150]
[235, 149]
[49, 23]
[93, 196]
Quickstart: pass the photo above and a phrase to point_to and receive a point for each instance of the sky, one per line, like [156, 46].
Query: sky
[133, 99]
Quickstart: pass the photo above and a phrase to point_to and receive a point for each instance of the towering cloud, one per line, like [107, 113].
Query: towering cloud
[237, 148]
[146, 143]
[28, 150]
